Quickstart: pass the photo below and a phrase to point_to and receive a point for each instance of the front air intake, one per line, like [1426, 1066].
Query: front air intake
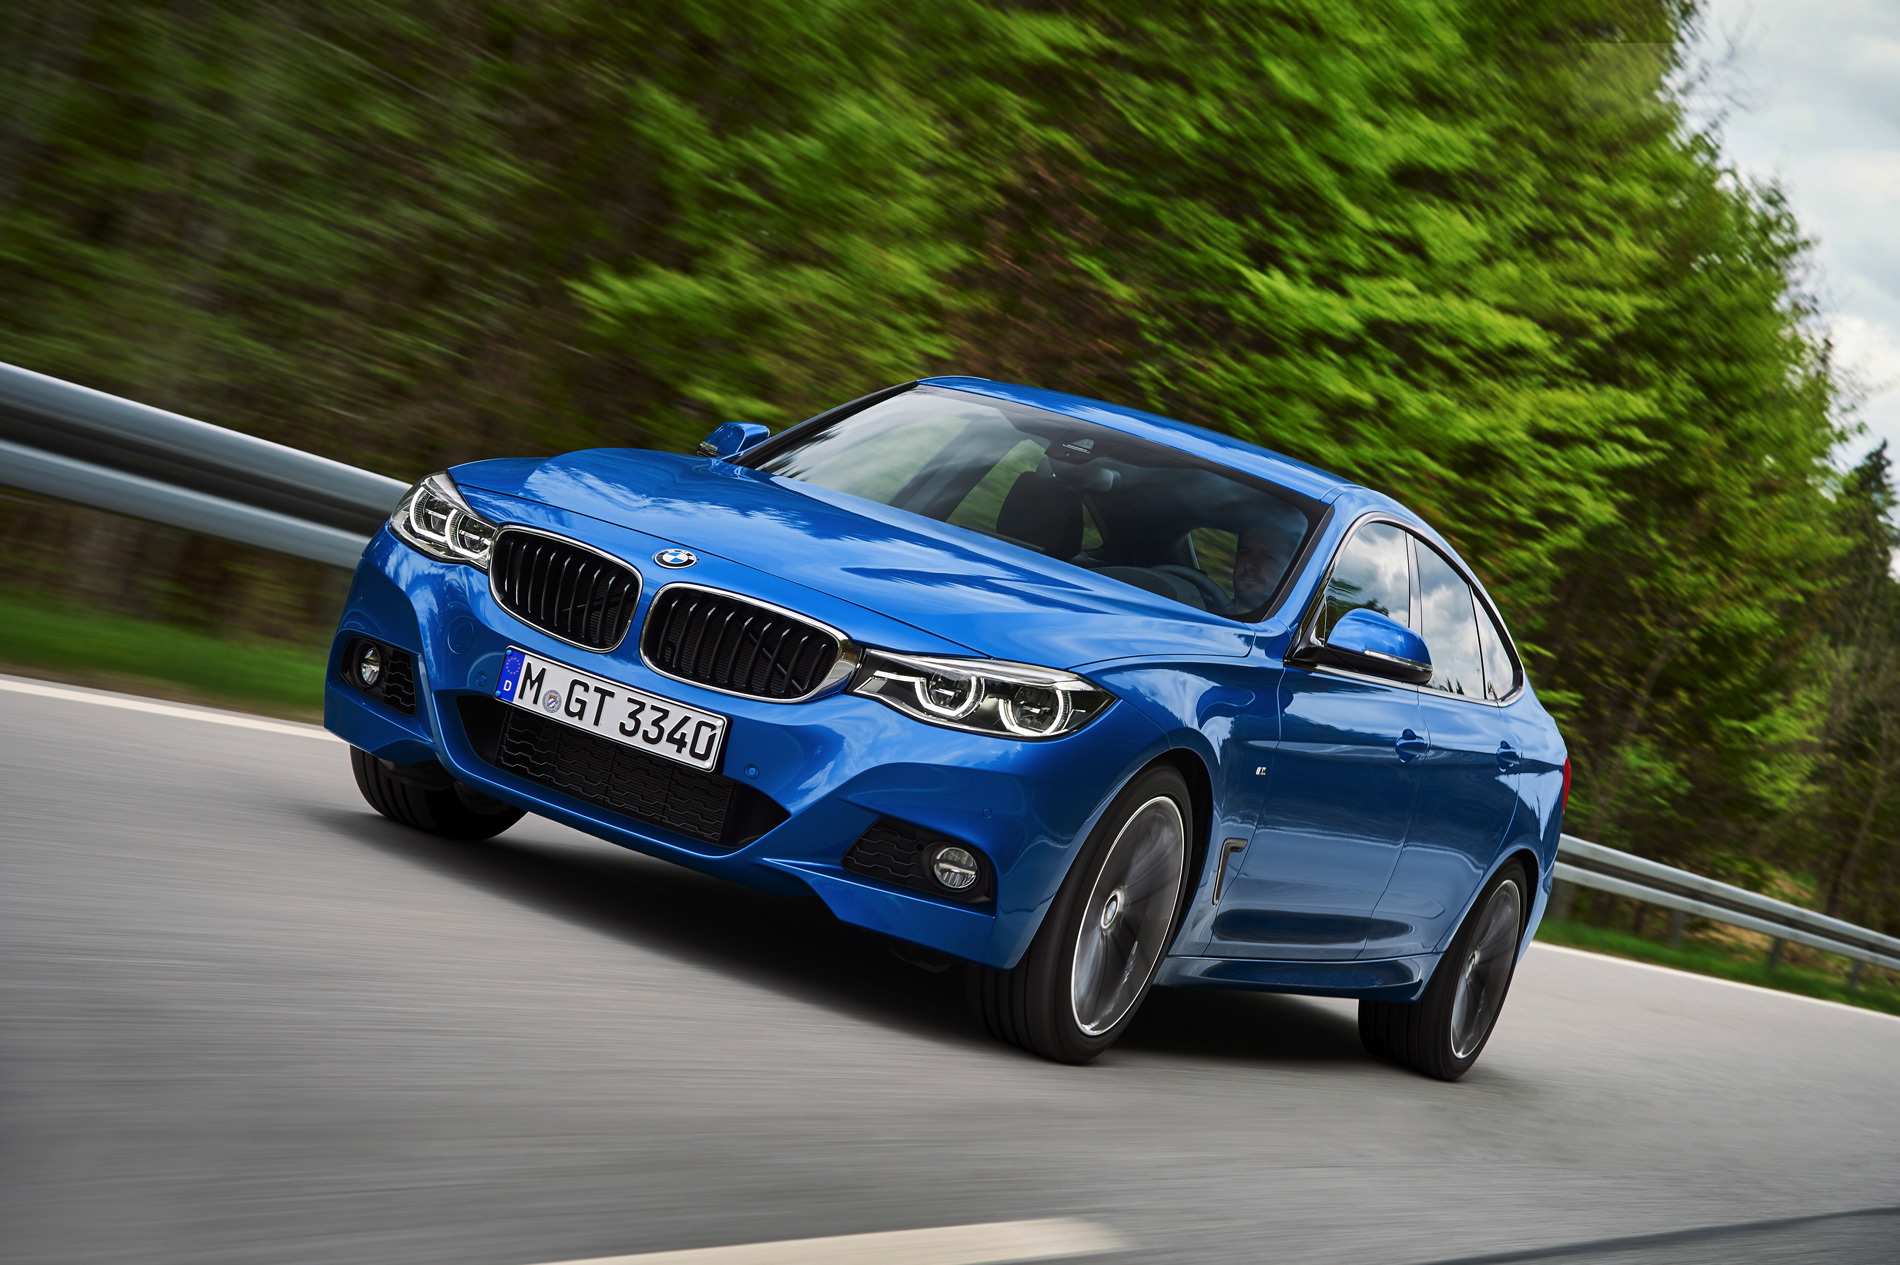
[565, 589]
[740, 646]
[701, 805]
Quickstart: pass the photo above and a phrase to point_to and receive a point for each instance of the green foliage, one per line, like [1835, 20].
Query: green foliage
[804, 240]
[1463, 251]
[1850, 838]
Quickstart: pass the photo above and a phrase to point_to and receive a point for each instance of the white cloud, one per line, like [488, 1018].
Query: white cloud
[1873, 347]
[1809, 95]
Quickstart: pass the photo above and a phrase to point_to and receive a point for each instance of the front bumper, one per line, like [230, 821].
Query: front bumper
[835, 764]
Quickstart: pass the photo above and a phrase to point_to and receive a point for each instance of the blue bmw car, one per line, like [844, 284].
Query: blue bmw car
[1091, 700]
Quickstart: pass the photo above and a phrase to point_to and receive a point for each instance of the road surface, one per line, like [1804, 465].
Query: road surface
[243, 1019]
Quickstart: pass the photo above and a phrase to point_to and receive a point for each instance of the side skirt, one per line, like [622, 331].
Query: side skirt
[1394, 979]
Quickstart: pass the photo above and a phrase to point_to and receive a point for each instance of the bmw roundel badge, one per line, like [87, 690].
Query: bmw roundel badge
[676, 557]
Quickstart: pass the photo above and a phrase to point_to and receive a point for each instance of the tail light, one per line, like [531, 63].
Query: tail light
[1565, 805]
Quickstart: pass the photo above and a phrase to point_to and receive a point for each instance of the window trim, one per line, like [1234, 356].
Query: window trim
[1518, 676]
[1306, 643]
[1418, 600]
[1521, 678]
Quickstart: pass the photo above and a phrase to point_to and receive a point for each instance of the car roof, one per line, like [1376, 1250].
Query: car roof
[1297, 476]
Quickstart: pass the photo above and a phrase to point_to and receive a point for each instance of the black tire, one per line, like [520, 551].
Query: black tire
[426, 797]
[1442, 1033]
[1115, 915]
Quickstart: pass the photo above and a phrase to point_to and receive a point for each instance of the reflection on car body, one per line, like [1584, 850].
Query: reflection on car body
[1087, 698]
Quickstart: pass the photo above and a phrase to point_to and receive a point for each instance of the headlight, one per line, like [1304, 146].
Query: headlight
[984, 696]
[434, 518]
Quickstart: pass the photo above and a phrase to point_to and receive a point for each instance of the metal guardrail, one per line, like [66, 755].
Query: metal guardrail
[1621, 874]
[82, 445]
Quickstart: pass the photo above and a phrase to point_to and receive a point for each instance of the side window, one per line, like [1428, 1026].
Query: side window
[1500, 671]
[1450, 626]
[1373, 572]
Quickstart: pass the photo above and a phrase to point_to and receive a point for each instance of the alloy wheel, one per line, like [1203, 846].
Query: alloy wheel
[1127, 916]
[1486, 971]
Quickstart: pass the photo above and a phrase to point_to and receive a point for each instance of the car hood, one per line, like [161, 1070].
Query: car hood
[991, 596]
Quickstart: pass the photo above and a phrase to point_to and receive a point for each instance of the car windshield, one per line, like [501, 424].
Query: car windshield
[1122, 507]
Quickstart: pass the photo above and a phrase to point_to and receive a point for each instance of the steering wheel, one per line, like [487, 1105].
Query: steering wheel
[1213, 597]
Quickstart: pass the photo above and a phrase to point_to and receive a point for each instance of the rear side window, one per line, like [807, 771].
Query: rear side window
[1500, 670]
[1373, 572]
[1449, 624]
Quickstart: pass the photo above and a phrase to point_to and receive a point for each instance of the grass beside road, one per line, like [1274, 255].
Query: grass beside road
[1739, 963]
[138, 656]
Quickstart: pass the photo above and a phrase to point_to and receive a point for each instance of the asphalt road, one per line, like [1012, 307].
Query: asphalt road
[242, 1019]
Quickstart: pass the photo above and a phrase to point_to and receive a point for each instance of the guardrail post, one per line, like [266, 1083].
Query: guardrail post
[1853, 976]
[1774, 953]
[1563, 896]
[1678, 926]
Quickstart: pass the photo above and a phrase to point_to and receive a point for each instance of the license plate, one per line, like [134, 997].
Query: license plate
[612, 710]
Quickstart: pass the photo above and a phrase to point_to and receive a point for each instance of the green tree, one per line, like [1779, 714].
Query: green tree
[1856, 820]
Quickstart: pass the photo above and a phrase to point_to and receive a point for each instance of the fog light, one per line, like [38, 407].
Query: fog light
[954, 867]
[369, 665]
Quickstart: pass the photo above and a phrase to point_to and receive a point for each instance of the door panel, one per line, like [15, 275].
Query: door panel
[1465, 800]
[1340, 797]
[1466, 792]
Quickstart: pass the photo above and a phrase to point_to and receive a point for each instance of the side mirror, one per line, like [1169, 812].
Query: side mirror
[1366, 641]
[728, 441]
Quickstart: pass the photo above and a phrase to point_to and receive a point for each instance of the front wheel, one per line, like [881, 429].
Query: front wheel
[1442, 1033]
[426, 797]
[1083, 976]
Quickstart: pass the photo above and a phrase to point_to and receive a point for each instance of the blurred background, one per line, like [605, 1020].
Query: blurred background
[1483, 255]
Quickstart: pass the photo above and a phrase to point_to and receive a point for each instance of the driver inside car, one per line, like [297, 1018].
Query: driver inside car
[1261, 556]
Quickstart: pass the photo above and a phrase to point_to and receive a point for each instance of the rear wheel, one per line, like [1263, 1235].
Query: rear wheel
[1084, 975]
[1442, 1033]
[426, 797]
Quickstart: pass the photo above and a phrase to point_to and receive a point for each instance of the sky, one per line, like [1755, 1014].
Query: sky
[1807, 92]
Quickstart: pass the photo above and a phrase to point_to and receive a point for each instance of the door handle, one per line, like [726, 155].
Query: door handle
[1410, 746]
[1509, 757]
